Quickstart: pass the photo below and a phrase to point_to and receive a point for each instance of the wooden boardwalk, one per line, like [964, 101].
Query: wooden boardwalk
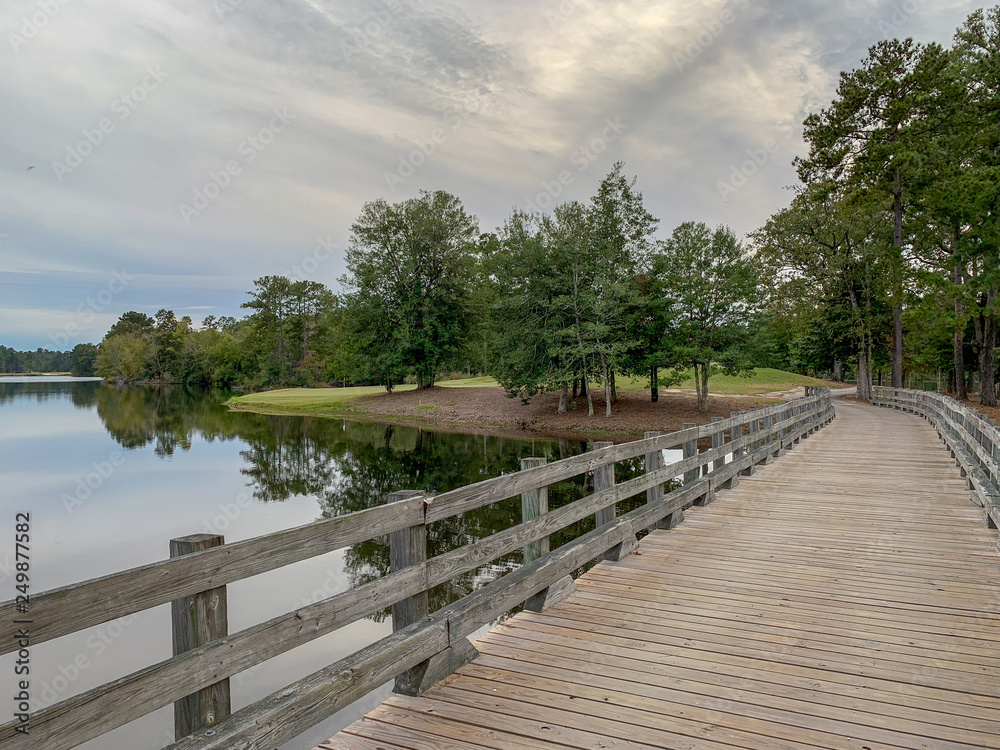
[846, 596]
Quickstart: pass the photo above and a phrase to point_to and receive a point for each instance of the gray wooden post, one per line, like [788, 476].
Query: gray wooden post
[408, 547]
[604, 479]
[654, 495]
[772, 441]
[735, 434]
[752, 468]
[198, 620]
[535, 504]
[690, 449]
[718, 440]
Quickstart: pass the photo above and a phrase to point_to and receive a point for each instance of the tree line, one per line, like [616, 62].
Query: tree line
[79, 361]
[884, 267]
[560, 302]
[890, 249]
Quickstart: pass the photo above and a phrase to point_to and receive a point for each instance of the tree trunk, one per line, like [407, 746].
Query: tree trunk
[563, 398]
[838, 371]
[614, 387]
[864, 374]
[584, 387]
[897, 307]
[576, 387]
[654, 384]
[958, 342]
[987, 355]
[590, 398]
[703, 405]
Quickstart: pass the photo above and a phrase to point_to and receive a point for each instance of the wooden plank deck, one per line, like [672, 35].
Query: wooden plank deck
[847, 596]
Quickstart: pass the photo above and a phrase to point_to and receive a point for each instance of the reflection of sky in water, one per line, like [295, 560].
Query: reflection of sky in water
[47, 445]
[191, 460]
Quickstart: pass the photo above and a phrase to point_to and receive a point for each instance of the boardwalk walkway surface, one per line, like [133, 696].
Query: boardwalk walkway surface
[847, 596]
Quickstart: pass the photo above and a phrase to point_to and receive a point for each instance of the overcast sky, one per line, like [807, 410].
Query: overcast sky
[165, 153]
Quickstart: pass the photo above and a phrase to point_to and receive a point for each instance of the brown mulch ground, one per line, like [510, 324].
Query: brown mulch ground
[490, 409]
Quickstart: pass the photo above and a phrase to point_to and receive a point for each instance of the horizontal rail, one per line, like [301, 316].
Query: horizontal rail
[102, 709]
[285, 714]
[73, 608]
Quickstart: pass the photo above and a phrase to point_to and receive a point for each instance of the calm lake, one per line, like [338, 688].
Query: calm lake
[110, 475]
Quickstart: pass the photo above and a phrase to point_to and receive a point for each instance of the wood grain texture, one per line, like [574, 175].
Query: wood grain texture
[195, 621]
[846, 596]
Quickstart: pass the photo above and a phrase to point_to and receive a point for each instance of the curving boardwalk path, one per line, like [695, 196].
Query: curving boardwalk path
[847, 596]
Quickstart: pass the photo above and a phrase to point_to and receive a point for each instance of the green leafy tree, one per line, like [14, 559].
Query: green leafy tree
[714, 285]
[410, 269]
[83, 360]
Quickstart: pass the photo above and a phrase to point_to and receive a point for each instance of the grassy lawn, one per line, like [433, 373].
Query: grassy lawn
[303, 399]
[764, 380]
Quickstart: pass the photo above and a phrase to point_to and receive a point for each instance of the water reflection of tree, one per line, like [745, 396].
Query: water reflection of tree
[167, 417]
[82, 394]
[350, 466]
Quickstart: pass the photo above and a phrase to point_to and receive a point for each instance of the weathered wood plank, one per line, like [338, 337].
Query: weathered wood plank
[197, 620]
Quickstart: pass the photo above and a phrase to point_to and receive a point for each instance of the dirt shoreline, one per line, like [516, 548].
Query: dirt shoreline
[488, 410]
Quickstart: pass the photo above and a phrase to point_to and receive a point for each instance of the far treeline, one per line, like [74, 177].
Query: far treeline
[887, 259]
[80, 361]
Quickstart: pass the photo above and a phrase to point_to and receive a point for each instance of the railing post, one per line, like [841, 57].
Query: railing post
[197, 620]
[654, 495]
[770, 421]
[690, 450]
[408, 547]
[535, 504]
[604, 479]
[736, 433]
[750, 470]
[718, 440]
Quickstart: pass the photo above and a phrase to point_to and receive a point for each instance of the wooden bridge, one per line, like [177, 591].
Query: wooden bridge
[812, 583]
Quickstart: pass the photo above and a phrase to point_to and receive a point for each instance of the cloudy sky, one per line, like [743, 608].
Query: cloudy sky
[165, 153]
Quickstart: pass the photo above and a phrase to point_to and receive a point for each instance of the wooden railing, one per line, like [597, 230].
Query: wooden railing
[425, 645]
[972, 438]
